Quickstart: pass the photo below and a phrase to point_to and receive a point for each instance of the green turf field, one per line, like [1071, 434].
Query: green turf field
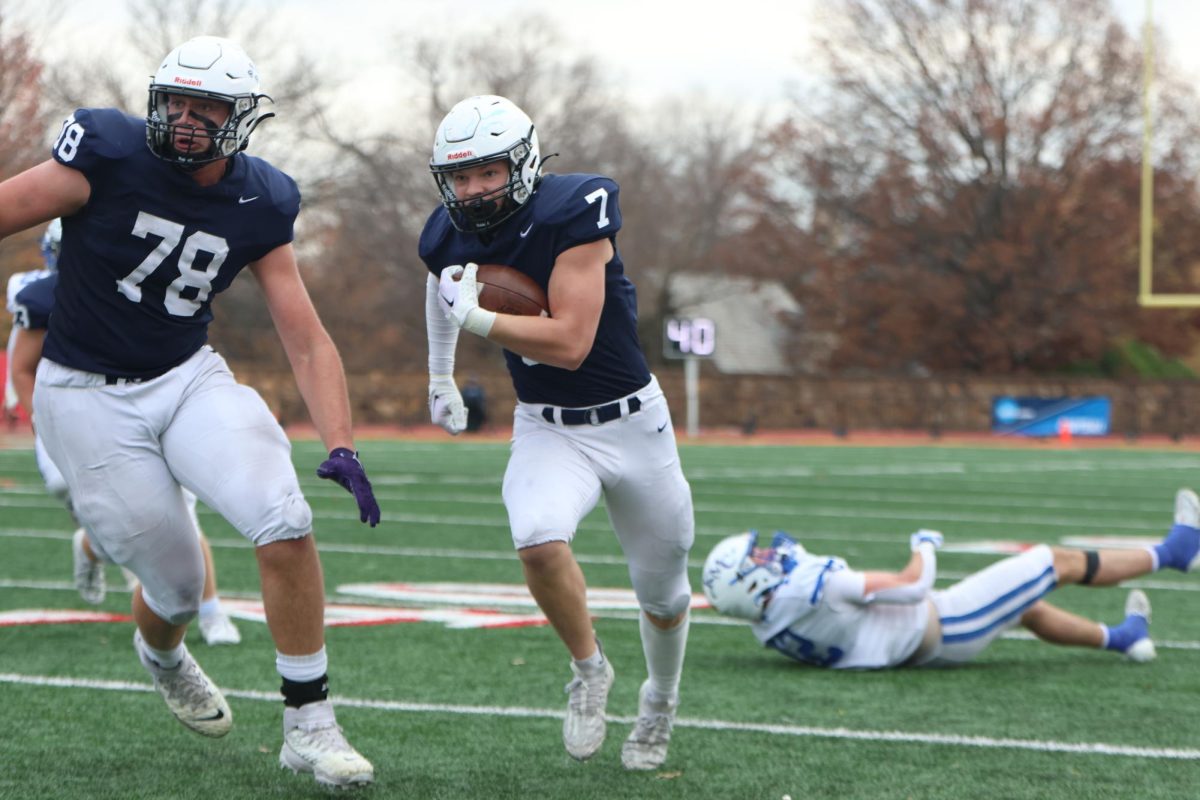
[445, 710]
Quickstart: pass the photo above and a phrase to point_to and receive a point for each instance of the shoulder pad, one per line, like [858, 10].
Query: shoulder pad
[583, 208]
[436, 229]
[18, 281]
[36, 301]
[274, 183]
[94, 135]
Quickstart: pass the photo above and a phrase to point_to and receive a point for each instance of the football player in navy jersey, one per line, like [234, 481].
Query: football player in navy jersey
[820, 612]
[159, 214]
[51, 240]
[30, 301]
[590, 418]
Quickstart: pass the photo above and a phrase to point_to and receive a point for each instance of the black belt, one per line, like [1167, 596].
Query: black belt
[113, 380]
[591, 416]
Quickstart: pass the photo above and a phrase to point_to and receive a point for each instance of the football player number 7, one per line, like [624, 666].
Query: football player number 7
[169, 235]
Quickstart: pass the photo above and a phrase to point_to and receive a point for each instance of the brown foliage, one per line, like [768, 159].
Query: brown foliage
[22, 131]
[22, 123]
[970, 187]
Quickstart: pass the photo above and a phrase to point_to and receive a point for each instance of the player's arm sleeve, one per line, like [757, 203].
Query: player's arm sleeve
[844, 586]
[442, 332]
[902, 587]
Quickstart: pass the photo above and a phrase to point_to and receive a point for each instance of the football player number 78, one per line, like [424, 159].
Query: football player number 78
[67, 145]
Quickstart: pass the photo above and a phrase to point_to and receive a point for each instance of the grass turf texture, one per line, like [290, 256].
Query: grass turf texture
[436, 727]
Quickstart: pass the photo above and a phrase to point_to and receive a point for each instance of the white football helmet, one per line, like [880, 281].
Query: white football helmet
[477, 131]
[214, 68]
[738, 576]
[52, 243]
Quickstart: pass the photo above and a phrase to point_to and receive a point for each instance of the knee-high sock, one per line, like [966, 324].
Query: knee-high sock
[664, 652]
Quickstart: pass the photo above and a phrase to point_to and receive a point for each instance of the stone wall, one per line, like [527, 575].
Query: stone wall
[1170, 408]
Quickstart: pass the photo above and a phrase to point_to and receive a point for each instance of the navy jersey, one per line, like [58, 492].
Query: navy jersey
[36, 301]
[142, 260]
[564, 212]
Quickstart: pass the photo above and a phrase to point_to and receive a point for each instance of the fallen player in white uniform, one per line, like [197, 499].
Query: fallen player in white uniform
[818, 611]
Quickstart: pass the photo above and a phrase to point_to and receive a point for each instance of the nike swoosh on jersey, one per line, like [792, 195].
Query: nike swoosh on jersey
[248, 199]
[525, 232]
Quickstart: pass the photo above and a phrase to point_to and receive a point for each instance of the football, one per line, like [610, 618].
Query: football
[506, 290]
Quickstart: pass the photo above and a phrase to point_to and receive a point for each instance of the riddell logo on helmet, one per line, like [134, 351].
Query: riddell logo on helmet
[460, 154]
[189, 81]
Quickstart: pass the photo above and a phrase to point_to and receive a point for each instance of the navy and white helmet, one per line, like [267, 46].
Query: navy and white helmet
[739, 576]
[52, 243]
[481, 130]
[213, 68]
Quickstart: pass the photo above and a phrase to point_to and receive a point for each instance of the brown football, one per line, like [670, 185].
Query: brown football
[506, 290]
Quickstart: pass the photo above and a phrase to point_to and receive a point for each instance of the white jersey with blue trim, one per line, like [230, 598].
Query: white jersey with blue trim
[564, 212]
[142, 260]
[817, 616]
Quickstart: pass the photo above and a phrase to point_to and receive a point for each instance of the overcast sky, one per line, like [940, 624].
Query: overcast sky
[747, 50]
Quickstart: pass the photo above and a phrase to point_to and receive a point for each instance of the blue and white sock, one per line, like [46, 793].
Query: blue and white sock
[1178, 548]
[1133, 629]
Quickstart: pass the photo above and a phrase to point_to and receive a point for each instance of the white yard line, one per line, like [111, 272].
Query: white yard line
[901, 737]
[697, 619]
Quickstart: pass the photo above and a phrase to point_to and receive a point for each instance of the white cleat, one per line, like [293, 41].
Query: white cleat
[1182, 544]
[1187, 508]
[646, 747]
[313, 742]
[89, 574]
[218, 628]
[190, 695]
[1143, 649]
[585, 725]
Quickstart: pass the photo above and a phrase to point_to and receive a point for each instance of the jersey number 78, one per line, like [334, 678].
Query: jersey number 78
[170, 235]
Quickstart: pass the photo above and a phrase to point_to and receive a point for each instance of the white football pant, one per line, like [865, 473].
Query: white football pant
[979, 608]
[127, 450]
[556, 473]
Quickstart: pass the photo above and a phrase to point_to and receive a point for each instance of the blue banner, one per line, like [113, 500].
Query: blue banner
[1051, 416]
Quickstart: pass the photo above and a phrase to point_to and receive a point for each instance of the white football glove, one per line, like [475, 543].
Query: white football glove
[925, 535]
[446, 405]
[459, 300]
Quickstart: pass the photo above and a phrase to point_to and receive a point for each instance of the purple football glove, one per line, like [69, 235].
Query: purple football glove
[344, 467]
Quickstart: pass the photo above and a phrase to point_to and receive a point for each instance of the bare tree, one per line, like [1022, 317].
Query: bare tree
[23, 122]
[299, 86]
[683, 184]
[968, 183]
[385, 192]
